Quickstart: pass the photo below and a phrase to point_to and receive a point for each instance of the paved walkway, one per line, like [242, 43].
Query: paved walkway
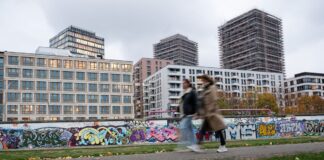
[240, 153]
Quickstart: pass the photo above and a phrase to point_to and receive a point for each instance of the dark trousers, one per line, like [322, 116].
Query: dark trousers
[203, 131]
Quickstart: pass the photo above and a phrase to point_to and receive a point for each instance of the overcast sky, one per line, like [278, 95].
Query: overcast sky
[131, 27]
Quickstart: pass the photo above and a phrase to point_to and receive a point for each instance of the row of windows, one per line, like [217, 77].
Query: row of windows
[58, 63]
[58, 109]
[69, 86]
[68, 75]
[68, 98]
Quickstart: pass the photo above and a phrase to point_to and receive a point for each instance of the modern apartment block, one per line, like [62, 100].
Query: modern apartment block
[303, 84]
[177, 48]
[163, 89]
[142, 69]
[79, 41]
[54, 86]
[252, 41]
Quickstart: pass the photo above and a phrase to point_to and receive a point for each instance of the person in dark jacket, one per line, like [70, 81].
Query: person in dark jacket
[188, 107]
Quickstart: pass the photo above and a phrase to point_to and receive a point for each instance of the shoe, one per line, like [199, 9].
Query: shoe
[222, 149]
[195, 148]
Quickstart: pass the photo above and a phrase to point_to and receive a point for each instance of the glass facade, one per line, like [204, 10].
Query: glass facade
[62, 86]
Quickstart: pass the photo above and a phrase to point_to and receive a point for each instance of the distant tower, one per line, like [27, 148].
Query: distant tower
[252, 41]
[79, 42]
[179, 49]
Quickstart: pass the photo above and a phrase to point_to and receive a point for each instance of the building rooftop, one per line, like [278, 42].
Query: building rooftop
[309, 74]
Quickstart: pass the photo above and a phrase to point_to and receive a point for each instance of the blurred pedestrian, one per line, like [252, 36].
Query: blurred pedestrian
[188, 107]
[208, 110]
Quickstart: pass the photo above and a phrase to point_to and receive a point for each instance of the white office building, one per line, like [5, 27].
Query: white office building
[163, 89]
[303, 84]
[53, 84]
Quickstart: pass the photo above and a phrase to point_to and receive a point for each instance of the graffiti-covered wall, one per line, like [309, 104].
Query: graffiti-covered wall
[72, 134]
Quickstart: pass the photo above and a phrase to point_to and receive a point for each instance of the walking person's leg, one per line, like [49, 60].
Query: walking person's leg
[183, 130]
[191, 137]
[222, 147]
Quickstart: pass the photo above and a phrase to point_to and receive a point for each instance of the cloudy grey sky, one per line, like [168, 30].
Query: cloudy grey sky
[130, 27]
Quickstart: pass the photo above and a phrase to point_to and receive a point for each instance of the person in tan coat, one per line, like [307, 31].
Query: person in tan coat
[212, 119]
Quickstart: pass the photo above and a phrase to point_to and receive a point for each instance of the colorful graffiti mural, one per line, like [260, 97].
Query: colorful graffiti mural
[70, 134]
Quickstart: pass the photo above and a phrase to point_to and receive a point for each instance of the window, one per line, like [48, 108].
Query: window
[80, 98]
[41, 73]
[55, 86]
[80, 75]
[93, 110]
[115, 77]
[68, 118]
[68, 109]
[68, 64]
[55, 74]
[80, 109]
[126, 88]
[127, 99]
[126, 78]
[92, 98]
[104, 99]
[103, 76]
[68, 97]
[116, 88]
[103, 66]
[115, 67]
[104, 109]
[127, 110]
[41, 85]
[28, 61]
[41, 97]
[55, 97]
[12, 109]
[13, 97]
[27, 73]
[116, 110]
[80, 65]
[27, 85]
[13, 72]
[54, 109]
[104, 87]
[1, 62]
[55, 63]
[93, 87]
[68, 75]
[27, 97]
[12, 84]
[68, 86]
[41, 109]
[41, 62]
[27, 109]
[40, 118]
[93, 65]
[126, 67]
[115, 99]
[92, 76]
[80, 87]
[13, 60]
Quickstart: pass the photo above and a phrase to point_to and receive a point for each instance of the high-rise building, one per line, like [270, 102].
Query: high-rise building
[52, 85]
[177, 48]
[252, 41]
[79, 41]
[303, 84]
[142, 69]
[163, 89]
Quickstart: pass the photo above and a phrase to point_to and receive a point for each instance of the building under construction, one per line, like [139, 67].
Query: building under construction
[252, 41]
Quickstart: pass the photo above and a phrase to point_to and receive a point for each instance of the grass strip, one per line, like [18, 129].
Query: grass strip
[94, 151]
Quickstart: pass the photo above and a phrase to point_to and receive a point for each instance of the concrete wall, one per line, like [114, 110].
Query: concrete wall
[73, 134]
